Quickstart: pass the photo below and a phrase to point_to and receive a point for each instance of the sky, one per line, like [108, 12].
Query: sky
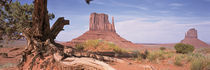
[139, 21]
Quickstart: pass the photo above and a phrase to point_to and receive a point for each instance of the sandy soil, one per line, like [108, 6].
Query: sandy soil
[134, 65]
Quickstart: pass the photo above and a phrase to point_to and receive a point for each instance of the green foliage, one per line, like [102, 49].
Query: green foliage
[100, 45]
[162, 48]
[15, 18]
[92, 44]
[184, 48]
[138, 55]
[156, 55]
[79, 47]
[119, 50]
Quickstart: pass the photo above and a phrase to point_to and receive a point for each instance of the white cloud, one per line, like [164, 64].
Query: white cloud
[176, 4]
[99, 2]
[162, 30]
[150, 29]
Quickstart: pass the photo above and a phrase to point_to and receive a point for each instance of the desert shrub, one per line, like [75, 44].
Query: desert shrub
[136, 55]
[92, 44]
[162, 48]
[156, 55]
[184, 48]
[191, 56]
[79, 47]
[169, 54]
[119, 50]
[145, 54]
[200, 62]
[100, 45]
[178, 61]
[197, 63]
[152, 57]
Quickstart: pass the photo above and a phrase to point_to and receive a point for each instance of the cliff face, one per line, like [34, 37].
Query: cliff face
[192, 33]
[191, 37]
[101, 28]
[100, 22]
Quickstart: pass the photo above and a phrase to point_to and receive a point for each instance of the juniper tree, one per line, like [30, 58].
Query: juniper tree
[15, 18]
[38, 55]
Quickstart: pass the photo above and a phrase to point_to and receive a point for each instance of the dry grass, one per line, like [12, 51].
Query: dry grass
[8, 65]
[156, 55]
[200, 62]
[100, 46]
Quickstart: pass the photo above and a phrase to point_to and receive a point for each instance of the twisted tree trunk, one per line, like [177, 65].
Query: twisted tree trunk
[41, 47]
[40, 39]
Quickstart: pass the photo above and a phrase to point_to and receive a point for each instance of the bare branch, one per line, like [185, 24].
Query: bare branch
[57, 27]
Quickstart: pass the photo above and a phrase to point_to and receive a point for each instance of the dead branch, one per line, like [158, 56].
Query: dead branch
[58, 26]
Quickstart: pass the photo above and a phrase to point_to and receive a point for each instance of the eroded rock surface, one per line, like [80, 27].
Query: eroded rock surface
[192, 33]
[100, 22]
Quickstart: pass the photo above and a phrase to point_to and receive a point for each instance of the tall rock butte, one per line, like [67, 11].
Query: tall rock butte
[101, 28]
[100, 22]
[191, 37]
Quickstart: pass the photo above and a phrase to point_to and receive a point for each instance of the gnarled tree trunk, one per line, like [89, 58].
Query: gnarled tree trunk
[41, 47]
[40, 39]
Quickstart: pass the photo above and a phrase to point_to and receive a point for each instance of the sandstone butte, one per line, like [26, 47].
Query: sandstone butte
[191, 37]
[100, 28]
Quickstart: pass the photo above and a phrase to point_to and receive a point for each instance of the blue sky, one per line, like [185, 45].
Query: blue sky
[140, 21]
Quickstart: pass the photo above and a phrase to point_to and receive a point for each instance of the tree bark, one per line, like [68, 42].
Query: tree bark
[40, 39]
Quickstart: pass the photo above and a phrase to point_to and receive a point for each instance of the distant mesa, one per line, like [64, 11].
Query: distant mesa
[101, 28]
[191, 37]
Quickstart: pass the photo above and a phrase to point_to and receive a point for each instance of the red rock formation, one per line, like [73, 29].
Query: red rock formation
[100, 22]
[191, 37]
[192, 33]
[100, 28]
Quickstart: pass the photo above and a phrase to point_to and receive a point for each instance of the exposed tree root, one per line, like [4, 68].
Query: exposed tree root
[41, 46]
